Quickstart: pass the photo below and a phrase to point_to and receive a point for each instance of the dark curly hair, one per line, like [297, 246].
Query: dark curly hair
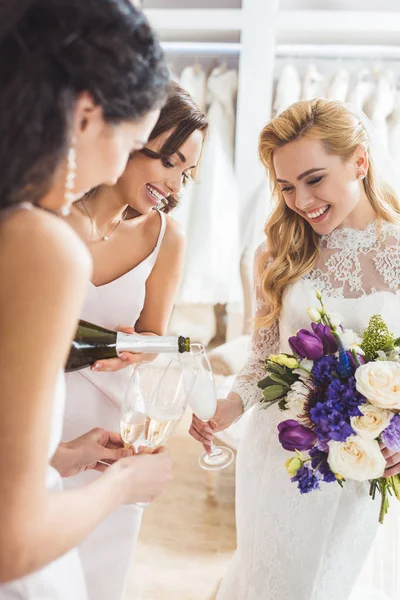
[50, 52]
[181, 116]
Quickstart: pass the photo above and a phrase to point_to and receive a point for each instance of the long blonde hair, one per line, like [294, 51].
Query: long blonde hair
[292, 244]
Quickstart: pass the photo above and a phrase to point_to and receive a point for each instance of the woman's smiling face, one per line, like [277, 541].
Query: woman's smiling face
[322, 188]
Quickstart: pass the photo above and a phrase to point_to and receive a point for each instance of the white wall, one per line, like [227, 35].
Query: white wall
[340, 4]
[193, 3]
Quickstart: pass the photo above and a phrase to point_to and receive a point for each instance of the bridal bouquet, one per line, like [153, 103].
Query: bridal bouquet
[342, 396]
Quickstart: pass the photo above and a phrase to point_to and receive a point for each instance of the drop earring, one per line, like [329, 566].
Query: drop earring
[70, 177]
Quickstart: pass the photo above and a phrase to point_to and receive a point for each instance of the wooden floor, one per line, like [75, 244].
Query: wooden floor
[186, 541]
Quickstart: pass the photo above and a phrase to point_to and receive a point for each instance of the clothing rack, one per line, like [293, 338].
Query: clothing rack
[328, 51]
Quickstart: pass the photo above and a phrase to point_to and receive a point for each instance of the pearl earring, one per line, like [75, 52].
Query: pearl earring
[70, 177]
[360, 176]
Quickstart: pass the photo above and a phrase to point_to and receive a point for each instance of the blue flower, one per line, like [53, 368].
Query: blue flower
[306, 480]
[320, 463]
[391, 435]
[325, 369]
[330, 423]
[344, 363]
[333, 410]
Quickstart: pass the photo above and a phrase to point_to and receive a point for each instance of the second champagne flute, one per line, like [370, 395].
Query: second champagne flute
[203, 402]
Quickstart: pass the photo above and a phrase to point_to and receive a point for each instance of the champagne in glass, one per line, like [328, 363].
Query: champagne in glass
[203, 402]
[159, 426]
[131, 427]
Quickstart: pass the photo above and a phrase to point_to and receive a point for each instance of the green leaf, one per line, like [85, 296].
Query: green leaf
[268, 403]
[273, 392]
[275, 368]
[266, 382]
[282, 404]
[280, 380]
[397, 342]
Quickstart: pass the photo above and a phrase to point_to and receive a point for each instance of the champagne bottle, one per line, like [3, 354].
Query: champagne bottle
[92, 343]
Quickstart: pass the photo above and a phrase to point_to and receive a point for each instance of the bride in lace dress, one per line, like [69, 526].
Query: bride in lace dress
[336, 228]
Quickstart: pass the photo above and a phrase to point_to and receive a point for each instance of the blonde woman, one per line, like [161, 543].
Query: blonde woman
[336, 228]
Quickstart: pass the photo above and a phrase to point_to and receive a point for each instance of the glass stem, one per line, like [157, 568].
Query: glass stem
[215, 451]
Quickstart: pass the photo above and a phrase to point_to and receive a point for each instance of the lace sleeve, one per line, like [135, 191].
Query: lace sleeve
[264, 342]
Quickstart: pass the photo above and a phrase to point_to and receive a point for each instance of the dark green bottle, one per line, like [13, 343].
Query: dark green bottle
[92, 343]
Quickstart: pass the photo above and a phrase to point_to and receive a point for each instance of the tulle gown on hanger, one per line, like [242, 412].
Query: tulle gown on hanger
[381, 104]
[339, 86]
[288, 89]
[211, 273]
[313, 84]
[363, 89]
[311, 547]
[394, 128]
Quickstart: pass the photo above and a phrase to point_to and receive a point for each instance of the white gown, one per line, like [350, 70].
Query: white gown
[62, 579]
[311, 547]
[211, 273]
[313, 84]
[394, 128]
[381, 104]
[93, 400]
[288, 89]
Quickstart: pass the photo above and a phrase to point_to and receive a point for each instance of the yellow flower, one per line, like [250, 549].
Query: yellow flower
[282, 359]
[293, 465]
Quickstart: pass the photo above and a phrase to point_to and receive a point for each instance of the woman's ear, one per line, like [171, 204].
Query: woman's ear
[362, 162]
[88, 120]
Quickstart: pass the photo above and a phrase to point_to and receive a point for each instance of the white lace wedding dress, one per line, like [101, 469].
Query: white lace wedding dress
[309, 547]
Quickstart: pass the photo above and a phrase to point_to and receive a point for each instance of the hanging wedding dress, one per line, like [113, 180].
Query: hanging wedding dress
[211, 273]
[362, 90]
[339, 86]
[313, 84]
[313, 546]
[193, 79]
[381, 104]
[196, 319]
[394, 128]
[288, 89]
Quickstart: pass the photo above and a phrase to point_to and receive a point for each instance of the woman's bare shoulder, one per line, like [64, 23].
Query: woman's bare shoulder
[42, 239]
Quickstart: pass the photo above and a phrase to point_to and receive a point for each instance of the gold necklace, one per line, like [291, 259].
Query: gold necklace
[105, 238]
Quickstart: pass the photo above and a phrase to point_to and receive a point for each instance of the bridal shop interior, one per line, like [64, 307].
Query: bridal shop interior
[244, 61]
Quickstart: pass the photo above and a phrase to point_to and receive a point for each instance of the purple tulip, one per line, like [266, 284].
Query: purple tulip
[294, 436]
[325, 335]
[307, 344]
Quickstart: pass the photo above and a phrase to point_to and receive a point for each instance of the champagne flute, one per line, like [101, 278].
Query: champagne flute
[133, 415]
[155, 401]
[203, 401]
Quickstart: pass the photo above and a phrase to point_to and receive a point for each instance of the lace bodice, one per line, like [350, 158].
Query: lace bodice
[358, 274]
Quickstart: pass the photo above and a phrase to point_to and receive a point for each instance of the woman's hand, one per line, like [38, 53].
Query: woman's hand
[392, 462]
[85, 452]
[228, 411]
[124, 360]
[141, 478]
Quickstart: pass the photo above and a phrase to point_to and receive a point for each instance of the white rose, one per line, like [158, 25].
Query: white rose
[379, 382]
[296, 398]
[356, 458]
[372, 422]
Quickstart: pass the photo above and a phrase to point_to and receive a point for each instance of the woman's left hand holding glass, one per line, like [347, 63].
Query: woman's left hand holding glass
[85, 452]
